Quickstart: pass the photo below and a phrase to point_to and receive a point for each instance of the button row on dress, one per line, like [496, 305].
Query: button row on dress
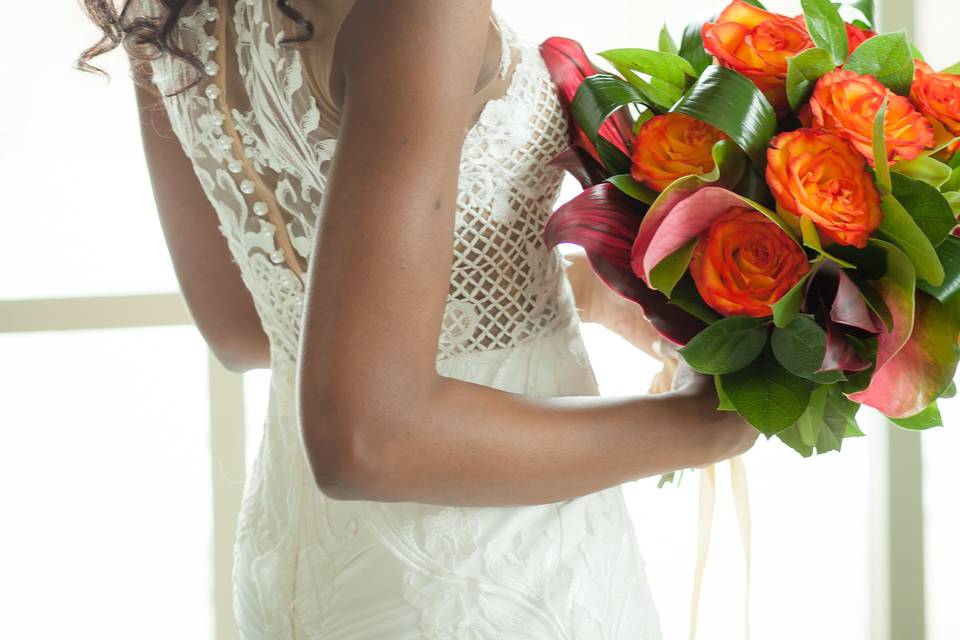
[212, 91]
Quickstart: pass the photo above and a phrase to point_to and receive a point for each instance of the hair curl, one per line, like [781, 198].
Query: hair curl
[147, 38]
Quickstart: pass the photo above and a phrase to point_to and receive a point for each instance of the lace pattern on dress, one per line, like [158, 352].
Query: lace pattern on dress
[267, 183]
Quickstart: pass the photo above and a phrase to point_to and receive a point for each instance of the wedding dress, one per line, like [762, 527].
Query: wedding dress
[310, 567]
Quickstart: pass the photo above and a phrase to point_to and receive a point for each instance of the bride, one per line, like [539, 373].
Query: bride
[436, 462]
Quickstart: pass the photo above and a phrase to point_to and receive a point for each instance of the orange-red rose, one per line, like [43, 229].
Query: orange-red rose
[937, 95]
[847, 104]
[856, 37]
[757, 43]
[819, 175]
[672, 146]
[745, 263]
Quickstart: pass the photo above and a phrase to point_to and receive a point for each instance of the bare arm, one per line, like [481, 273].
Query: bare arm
[378, 421]
[219, 302]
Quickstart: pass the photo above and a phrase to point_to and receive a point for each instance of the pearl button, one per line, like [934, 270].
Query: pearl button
[210, 13]
[276, 257]
[247, 139]
[212, 91]
[260, 208]
[225, 142]
[234, 166]
[247, 187]
[217, 119]
[211, 44]
[211, 68]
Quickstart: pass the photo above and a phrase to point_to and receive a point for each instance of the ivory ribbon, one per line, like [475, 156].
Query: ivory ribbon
[741, 504]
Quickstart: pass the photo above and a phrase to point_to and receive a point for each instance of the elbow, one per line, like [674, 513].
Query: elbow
[346, 448]
[240, 355]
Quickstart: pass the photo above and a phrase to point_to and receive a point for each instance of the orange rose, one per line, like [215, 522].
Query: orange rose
[757, 43]
[819, 175]
[745, 263]
[856, 37]
[672, 146]
[937, 95]
[847, 104]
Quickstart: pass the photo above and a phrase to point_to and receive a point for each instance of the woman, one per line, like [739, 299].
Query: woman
[435, 462]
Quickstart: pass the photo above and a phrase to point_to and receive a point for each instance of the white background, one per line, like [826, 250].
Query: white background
[104, 472]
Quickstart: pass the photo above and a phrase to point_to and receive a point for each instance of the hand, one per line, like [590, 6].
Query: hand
[723, 434]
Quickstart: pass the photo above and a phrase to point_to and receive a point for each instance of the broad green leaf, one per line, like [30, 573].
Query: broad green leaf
[926, 419]
[665, 276]
[826, 27]
[787, 308]
[597, 98]
[926, 205]
[636, 190]
[726, 346]
[901, 229]
[791, 438]
[889, 58]
[691, 45]
[756, 3]
[800, 347]
[949, 254]
[811, 422]
[953, 69]
[803, 71]
[668, 73]
[732, 103]
[725, 404]
[925, 169]
[884, 181]
[767, 395]
[667, 43]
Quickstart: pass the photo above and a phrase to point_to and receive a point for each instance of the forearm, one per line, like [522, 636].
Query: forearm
[465, 444]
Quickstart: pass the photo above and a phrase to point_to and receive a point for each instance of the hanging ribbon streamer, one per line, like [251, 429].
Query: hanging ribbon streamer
[741, 504]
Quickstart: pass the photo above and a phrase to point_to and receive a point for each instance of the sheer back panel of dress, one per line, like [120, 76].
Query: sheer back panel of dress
[253, 129]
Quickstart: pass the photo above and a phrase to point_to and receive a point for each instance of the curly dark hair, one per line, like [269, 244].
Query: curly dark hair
[146, 38]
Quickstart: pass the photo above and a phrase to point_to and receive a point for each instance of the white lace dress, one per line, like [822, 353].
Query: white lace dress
[309, 567]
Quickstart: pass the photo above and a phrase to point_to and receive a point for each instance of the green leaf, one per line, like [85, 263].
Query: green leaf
[951, 391]
[667, 43]
[953, 69]
[884, 181]
[665, 276]
[791, 437]
[686, 296]
[925, 169]
[756, 3]
[787, 309]
[827, 29]
[902, 230]
[725, 404]
[811, 422]
[800, 347]
[865, 7]
[598, 97]
[926, 205]
[949, 254]
[732, 103]
[926, 419]
[636, 190]
[727, 345]
[889, 58]
[691, 45]
[767, 395]
[803, 71]
[668, 73]
[811, 239]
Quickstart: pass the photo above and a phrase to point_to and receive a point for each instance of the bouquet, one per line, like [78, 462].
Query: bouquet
[779, 195]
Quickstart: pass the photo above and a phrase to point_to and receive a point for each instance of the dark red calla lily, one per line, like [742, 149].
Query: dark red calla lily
[569, 65]
[576, 161]
[604, 221]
